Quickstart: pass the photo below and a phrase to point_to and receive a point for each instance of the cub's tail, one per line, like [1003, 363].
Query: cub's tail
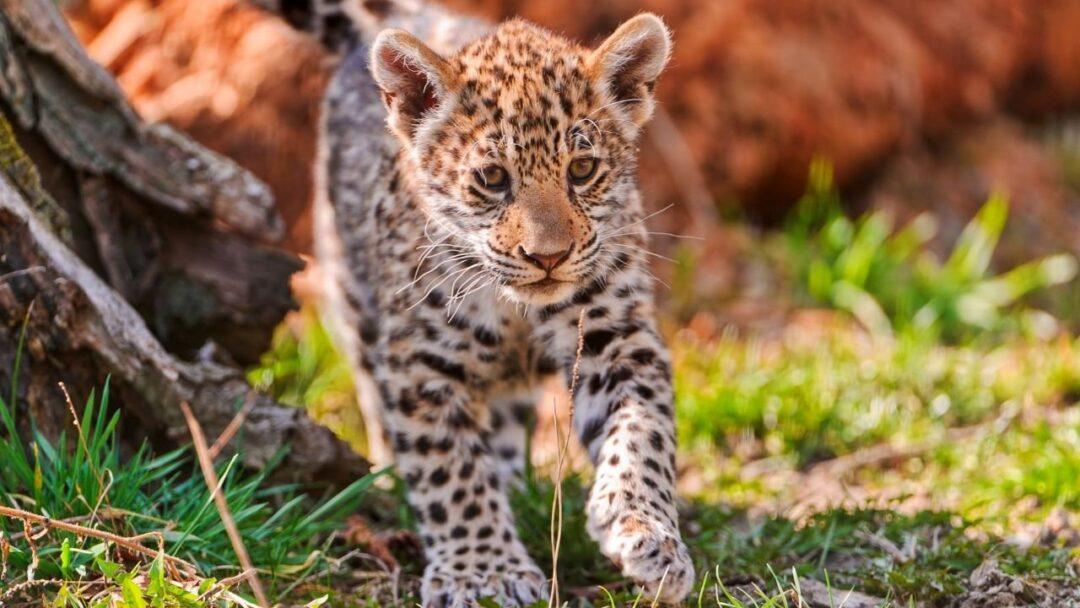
[341, 25]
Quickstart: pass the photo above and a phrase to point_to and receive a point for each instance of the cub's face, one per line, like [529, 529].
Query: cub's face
[525, 147]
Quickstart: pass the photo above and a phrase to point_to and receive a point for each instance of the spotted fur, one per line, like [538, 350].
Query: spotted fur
[464, 250]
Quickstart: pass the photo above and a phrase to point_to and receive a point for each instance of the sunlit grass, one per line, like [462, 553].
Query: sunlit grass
[754, 414]
[833, 391]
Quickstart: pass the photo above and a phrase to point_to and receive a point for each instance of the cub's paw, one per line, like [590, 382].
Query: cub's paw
[653, 556]
[445, 587]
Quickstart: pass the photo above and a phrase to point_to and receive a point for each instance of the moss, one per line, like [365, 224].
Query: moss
[23, 174]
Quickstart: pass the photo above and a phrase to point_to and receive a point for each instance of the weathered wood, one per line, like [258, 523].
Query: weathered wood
[80, 329]
[130, 252]
[56, 90]
[171, 225]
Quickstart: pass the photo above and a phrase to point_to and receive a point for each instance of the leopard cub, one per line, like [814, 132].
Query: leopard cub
[502, 211]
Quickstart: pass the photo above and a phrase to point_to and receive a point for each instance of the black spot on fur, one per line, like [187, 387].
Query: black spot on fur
[439, 477]
[441, 365]
[369, 331]
[591, 431]
[596, 341]
[472, 511]
[546, 365]
[437, 513]
[436, 299]
[618, 376]
[486, 337]
[656, 440]
[466, 470]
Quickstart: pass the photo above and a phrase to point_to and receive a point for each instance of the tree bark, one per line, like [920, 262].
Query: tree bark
[128, 250]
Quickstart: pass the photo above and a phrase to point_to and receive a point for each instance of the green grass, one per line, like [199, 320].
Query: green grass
[85, 478]
[792, 402]
[926, 556]
[891, 281]
[933, 562]
[780, 406]
[836, 391]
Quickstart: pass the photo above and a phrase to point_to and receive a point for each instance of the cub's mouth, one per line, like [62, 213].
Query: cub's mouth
[545, 291]
[544, 283]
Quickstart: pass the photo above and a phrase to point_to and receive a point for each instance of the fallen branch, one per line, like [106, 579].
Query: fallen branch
[211, 479]
[122, 541]
[86, 325]
[134, 249]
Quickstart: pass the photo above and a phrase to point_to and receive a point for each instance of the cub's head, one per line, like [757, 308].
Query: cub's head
[524, 146]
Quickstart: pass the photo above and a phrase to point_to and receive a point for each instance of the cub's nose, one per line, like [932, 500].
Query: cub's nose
[546, 261]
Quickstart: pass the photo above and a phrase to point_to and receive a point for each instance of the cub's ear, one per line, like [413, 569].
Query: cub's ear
[628, 63]
[414, 79]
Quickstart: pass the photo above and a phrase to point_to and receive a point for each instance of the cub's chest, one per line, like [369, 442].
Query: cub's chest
[483, 339]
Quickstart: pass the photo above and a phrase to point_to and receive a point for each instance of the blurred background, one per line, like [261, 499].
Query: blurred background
[870, 218]
[915, 106]
[863, 172]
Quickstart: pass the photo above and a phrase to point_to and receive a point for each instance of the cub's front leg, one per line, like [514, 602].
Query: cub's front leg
[435, 413]
[623, 416]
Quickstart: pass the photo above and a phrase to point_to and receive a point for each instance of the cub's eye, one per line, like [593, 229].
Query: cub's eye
[581, 169]
[493, 177]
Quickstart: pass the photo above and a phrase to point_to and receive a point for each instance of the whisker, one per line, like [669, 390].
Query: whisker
[642, 250]
[440, 282]
[416, 279]
[639, 221]
[673, 235]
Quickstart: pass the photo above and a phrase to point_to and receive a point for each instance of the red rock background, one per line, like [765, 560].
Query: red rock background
[239, 81]
[919, 104]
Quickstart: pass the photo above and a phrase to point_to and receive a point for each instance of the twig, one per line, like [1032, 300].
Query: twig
[222, 585]
[19, 273]
[234, 425]
[564, 446]
[121, 541]
[30, 584]
[358, 532]
[32, 568]
[884, 544]
[103, 514]
[211, 479]
[5, 551]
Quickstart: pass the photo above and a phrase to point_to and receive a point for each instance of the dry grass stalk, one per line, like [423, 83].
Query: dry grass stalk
[564, 446]
[202, 451]
[104, 488]
[233, 427]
